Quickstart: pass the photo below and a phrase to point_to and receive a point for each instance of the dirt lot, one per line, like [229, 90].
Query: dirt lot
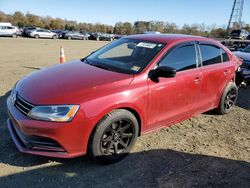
[205, 151]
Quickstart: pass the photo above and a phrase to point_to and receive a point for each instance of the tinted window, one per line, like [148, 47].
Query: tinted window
[210, 54]
[181, 58]
[225, 57]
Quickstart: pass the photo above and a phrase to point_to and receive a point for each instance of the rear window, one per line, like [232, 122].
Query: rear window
[210, 54]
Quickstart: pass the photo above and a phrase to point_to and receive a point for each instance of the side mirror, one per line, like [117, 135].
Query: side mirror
[164, 72]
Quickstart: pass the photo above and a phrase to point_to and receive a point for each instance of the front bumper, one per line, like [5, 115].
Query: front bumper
[61, 140]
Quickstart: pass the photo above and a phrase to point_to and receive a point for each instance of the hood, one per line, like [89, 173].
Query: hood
[243, 55]
[69, 83]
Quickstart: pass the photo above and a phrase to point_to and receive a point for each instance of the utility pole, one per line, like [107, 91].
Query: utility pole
[236, 15]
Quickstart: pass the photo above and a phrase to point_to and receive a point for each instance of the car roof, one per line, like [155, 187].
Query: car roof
[168, 38]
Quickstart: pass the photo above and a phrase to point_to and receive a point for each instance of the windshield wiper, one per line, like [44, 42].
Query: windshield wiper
[96, 65]
[102, 67]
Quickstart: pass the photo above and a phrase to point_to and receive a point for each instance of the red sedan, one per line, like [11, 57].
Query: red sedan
[100, 105]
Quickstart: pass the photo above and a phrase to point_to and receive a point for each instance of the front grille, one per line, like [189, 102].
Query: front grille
[22, 105]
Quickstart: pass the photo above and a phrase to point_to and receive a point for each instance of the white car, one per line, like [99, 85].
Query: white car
[42, 33]
[6, 30]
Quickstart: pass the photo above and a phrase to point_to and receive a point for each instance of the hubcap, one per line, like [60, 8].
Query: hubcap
[117, 137]
[230, 99]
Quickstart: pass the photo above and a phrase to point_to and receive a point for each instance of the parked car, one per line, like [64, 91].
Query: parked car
[62, 33]
[74, 35]
[245, 67]
[42, 33]
[100, 105]
[239, 34]
[119, 36]
[9, 30]
[5, 24]
[27, 30]
[86, 34]
[101, 36]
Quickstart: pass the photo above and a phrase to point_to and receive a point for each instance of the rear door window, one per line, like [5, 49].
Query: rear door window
[210, 54]
[181, 58]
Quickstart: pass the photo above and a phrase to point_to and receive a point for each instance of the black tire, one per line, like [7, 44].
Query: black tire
[36, 36]
[114, 136]
[228, 99]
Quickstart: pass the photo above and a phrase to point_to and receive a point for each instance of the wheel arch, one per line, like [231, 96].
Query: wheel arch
[130, 109]
[137, 115]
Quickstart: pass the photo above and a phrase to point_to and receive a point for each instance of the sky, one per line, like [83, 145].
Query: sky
[112, 11]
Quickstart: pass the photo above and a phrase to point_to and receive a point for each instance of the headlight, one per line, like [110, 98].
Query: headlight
[58, 113]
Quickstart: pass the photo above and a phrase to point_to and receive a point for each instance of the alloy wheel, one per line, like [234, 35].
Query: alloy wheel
[230, 99]
[117, 137]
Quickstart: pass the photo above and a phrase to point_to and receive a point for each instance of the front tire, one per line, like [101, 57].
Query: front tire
[114, 136]
[228, 99]
[36, 36]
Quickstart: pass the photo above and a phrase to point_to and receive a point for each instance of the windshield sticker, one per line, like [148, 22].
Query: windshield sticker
[135, 68]
[146, 45]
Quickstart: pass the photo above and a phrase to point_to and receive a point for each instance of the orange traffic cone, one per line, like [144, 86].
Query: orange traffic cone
[62, 56]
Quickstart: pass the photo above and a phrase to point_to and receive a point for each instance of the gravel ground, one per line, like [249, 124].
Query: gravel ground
[208, 150]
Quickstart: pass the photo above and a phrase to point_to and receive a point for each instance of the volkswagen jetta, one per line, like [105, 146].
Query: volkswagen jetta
[100, 104]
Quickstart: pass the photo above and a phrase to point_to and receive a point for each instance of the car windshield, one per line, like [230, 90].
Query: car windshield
[247, 49]
[125, 55]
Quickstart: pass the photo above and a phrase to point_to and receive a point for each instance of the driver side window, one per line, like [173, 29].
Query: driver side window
[181, 58]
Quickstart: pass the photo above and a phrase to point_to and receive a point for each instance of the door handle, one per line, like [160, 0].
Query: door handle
[197, 80]
[227, 72]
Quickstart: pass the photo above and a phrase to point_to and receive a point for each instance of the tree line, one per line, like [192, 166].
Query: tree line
[124, 28]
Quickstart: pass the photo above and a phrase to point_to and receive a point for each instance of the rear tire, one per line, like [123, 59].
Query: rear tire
[54, 37]
[114, 136]
[228, 99]
[14, 36]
